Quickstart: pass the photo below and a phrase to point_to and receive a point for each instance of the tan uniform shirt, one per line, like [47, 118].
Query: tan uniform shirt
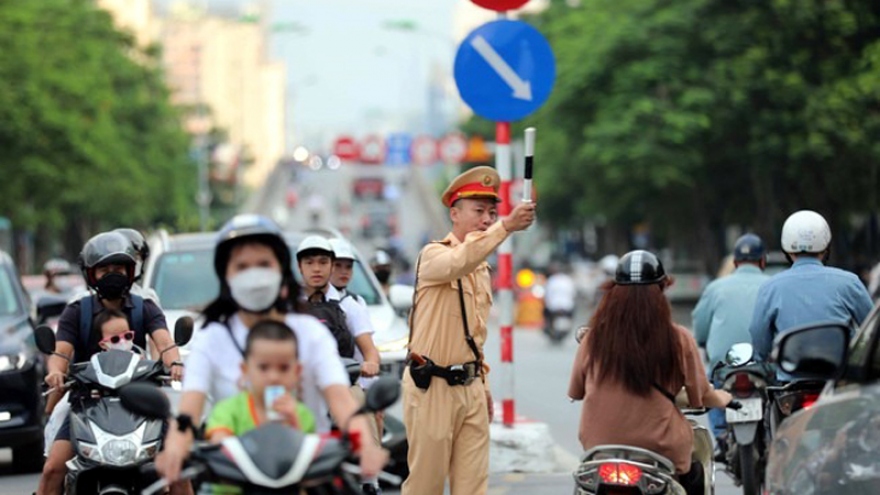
[613, 415]
[437, 328]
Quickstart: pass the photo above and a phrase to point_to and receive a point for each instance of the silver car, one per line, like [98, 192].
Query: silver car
[832, 445]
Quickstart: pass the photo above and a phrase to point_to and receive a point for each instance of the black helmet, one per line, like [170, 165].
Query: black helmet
[255, 228]
[748, 248]
[639, 268]
[103, 249]
[137, 241]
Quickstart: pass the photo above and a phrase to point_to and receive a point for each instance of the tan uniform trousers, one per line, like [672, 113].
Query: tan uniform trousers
[447, 428]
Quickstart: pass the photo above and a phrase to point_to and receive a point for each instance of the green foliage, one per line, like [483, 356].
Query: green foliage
[87, 135]
[697, 114]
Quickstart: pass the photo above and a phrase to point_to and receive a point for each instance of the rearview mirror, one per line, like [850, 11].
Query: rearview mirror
[183, 330]
[45, 338]
[814, 351]
[739, 354]
[382, 394]
[145, 399]
[50, 307]
[401, 297]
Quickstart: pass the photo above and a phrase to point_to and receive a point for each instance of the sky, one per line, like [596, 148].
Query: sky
[348, 74]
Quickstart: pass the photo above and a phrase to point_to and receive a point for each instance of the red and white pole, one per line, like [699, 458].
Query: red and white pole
[505, 270]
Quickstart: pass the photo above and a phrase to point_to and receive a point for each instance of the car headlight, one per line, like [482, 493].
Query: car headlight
[11, 362]
[119, 452]
[394, 345]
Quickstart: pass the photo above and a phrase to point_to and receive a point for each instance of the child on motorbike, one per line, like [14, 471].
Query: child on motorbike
[270, 361]
[115, 332]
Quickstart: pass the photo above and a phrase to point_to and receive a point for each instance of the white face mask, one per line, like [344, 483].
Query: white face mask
[122, 345]
[256, 289]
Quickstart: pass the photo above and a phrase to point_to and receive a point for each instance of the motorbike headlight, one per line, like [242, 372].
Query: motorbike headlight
[119, 452]
[9, 362]
[90, 451]
[148, 452]
[394, 345]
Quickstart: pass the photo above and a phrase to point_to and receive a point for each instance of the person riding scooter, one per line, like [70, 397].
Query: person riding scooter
[631, 364]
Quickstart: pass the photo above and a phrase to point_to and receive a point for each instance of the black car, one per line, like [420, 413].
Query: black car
[832, 445]
[22, 370]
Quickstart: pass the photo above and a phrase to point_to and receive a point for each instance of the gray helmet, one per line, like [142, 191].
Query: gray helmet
[380, 258]
[137, 241]
[107, 248]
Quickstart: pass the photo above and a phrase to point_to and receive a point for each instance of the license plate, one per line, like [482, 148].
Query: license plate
[752, 410]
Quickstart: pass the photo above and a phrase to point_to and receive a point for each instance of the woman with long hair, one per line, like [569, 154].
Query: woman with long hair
[253, 262]
[633, 361]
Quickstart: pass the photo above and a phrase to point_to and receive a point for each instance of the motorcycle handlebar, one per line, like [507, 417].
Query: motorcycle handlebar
[66, 385]
[161, 484]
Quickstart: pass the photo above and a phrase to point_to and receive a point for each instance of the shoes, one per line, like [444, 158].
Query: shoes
[370, 489]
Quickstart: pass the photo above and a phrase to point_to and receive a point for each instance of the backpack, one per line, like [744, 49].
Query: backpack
[331, 314]
[86, 308]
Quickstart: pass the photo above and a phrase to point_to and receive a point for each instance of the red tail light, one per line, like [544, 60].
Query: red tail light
[742, 385]
[620, 473]
[808, 400]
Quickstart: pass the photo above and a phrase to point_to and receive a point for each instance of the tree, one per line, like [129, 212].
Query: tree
[89, 139]
[695, 115]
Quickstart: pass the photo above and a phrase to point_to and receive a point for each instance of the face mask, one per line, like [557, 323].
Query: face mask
[112, 286]
[383, 276]
[256, 289]
[122, 345]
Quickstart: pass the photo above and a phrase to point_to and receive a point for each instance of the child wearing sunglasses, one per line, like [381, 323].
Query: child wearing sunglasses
[115, 332]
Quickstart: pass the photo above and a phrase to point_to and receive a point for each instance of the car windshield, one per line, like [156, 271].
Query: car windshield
[186, 280]
[8, 298]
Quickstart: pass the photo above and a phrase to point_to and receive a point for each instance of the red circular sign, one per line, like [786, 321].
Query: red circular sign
[373, 150]
[501, 5]
[453, 148]
[346, 148]
[424, 150]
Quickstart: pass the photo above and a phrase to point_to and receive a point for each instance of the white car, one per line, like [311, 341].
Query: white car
[181, 271]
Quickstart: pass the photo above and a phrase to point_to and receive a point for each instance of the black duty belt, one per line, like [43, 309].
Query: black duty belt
[458, 374]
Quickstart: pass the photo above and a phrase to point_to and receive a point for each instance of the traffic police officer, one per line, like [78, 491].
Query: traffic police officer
[445, 393]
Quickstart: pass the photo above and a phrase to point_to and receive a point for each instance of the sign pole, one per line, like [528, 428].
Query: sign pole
[505, 271]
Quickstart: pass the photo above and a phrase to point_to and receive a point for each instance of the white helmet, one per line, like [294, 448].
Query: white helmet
[805, 231]
[314, 243]
[342, 249]
[608, 263]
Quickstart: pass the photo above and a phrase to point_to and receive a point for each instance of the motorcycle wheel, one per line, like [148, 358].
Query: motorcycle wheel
[748, 468]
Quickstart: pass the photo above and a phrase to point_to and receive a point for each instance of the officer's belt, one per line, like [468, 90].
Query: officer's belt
[458, 374]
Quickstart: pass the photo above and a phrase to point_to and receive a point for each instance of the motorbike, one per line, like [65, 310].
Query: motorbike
[747, 381]
[557, 325]
[393, 435]
[273, 458]
[110, 443]
[628, 470]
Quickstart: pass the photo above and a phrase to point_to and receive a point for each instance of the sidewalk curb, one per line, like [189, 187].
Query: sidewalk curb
[527, 447]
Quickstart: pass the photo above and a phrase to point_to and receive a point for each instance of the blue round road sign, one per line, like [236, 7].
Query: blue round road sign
[504, 70]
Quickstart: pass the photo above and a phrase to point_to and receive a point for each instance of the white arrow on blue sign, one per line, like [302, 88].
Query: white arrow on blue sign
[505, 70]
